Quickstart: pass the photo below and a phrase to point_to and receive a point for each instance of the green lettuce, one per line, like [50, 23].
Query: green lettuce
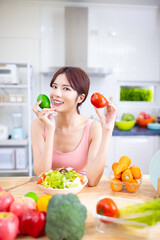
[62, 178]
[147, 212]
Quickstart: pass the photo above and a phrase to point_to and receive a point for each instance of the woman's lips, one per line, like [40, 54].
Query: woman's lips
[57, 102]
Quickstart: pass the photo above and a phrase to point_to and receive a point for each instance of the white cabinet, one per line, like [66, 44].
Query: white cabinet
[13, 98]
[140, 149]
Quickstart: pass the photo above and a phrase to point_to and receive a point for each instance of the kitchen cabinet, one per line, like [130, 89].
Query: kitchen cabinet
[140, 149]
[11, 103]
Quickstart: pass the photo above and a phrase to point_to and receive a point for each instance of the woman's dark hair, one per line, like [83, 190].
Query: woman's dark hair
[78, 80]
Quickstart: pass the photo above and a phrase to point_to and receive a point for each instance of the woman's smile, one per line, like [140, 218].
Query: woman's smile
[57, 102]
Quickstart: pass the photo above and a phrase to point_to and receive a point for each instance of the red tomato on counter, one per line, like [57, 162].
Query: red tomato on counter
[98, 100]
[107, 207]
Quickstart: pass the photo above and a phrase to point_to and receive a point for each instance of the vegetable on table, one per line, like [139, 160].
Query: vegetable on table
[107, 207]
[33, 223]
[42, 178]
[123, 164]
[116, 185]
[132, 186]
[42, 203]
[65, 217]
[114, 165]
[147, 212]
[63, 178]
[136, 171]
[127, 175]
[124, 174]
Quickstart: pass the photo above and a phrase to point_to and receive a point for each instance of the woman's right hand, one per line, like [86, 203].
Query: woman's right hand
[46, 115]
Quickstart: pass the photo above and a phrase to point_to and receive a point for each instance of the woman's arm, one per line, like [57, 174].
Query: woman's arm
[100, 135]
[42, 148]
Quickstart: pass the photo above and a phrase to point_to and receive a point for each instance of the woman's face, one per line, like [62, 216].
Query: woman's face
[63, 96]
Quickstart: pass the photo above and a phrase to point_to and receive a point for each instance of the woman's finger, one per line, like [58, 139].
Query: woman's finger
[98, 112]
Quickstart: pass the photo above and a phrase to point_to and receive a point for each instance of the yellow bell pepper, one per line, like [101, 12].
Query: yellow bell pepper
[42, 203]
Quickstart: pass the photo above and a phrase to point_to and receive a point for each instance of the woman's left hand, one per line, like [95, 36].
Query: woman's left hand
[108, 119]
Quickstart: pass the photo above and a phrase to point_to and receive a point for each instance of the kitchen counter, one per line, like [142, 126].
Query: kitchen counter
[88, 196]
[136, 131]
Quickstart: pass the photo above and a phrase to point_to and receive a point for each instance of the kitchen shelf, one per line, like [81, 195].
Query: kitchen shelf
[26, 86]
[14, 170]
[5, 86]
[12, 142]
[12, 104]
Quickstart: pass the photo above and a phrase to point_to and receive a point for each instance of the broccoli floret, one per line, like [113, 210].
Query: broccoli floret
[65, 217]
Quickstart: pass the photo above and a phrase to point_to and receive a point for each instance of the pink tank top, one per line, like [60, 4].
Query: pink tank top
[76, 159]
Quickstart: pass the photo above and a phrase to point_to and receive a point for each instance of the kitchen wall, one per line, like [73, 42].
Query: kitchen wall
[122, 39]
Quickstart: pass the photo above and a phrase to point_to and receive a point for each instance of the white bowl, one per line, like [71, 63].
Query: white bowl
[52, 191]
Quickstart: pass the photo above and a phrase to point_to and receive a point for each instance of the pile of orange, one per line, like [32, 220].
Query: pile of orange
[124, 173]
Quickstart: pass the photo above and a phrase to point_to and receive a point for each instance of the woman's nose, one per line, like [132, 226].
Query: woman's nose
[57, 92]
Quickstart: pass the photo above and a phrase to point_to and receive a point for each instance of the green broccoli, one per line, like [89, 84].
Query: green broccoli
[65, 218]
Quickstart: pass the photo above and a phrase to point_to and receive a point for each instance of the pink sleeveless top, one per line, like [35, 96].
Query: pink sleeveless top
[77, 159]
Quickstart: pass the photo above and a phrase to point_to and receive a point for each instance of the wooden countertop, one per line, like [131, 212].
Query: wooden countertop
[88, 196]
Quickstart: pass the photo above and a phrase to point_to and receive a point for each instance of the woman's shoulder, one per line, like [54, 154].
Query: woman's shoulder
[95, 127]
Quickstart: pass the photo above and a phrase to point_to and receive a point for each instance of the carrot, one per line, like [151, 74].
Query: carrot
[114, 165]
[123, 164]
[127, 175]
[116, 185]
[136, 171]
[132, 186]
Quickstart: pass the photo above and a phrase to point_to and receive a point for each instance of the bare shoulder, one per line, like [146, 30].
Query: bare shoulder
[95, 128]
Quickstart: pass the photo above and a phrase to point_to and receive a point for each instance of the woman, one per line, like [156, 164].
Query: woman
[61, 137]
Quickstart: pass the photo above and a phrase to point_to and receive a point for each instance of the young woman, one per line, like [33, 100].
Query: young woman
[61, 137]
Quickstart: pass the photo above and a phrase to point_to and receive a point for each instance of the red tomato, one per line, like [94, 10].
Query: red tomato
[98, 100]
[107, 207]
[43, 176]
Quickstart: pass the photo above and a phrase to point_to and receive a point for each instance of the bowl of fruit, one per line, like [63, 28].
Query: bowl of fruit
[126, 122]
[143, 119]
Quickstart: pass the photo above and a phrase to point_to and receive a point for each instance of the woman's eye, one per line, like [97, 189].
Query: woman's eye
[66, 89]
[54, 86]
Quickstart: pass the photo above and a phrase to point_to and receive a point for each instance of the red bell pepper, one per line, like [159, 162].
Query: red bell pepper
[33, 223]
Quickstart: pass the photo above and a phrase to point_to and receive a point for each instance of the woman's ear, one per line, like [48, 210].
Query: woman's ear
[81, 98]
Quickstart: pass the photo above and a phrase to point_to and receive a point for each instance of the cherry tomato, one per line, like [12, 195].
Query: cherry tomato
[98, 100]
[43, 176]
[107, 207]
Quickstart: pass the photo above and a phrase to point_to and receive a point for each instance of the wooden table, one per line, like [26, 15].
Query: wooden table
[88, 196]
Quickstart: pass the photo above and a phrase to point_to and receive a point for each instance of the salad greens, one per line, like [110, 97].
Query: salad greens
[62, 178]
[136, 94]
[147, 212]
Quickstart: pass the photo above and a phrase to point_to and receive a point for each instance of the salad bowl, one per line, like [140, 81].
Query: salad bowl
[62, 181]
[52, 191]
